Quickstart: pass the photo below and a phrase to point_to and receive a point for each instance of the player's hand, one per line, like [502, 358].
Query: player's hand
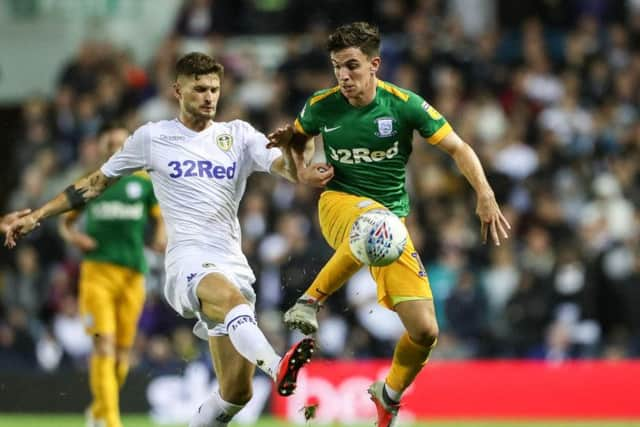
[9, 218]
[316, 174]
[20, 226]
[281, 137]
[491, 219]
[82, 241]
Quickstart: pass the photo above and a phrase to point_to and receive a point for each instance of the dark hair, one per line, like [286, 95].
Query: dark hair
[197, 64]
[112, 125]
[362, 35]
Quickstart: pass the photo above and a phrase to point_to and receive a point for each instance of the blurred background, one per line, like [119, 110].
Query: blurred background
[546, 92]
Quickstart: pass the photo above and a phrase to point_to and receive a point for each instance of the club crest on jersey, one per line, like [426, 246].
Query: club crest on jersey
[134, 190]
[224, 141]
[385, 127]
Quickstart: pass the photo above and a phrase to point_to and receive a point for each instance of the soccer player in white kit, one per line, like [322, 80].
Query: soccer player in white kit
[199, 170]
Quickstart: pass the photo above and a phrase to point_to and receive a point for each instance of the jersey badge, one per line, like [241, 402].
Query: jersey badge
[224, 141]
[385, 127]
[134, 190]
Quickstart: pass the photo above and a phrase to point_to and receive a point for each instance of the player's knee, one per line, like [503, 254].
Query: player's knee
[425, 334]
[216, 309]
[122, 354]
[220, 298]
[233, 392]
[104, 345]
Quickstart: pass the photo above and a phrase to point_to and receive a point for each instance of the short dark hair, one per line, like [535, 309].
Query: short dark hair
[110, 125]
[362, 35]
[197, 64]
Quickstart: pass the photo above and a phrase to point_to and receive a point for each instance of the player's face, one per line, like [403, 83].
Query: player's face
[111, 141]
[198, 95]
[355, 72]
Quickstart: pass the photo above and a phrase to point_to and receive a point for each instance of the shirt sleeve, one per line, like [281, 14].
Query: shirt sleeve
[131, 157]
[307, 121]
[154, 207]
[427, 120]
[257, 142]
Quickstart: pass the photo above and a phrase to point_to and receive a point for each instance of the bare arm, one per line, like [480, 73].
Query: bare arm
[70, 234]
[159, 242]
[285, 166]
[73, 197]
[9, 218]
[487, 208]
[300, 148]
[66, 224]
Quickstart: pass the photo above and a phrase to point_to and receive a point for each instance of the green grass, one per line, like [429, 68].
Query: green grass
[51, 420]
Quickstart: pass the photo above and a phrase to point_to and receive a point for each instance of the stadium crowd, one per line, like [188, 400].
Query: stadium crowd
[547, 94]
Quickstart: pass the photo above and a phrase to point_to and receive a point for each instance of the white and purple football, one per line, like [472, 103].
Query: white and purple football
[377, 238]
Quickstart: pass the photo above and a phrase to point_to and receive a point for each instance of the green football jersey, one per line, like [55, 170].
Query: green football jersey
[117, 221]
[369, 146]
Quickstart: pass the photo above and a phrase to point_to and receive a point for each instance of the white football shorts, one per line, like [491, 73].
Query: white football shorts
[184, 271]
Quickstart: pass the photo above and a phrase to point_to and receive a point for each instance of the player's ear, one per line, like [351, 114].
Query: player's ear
[176, 89]
[375, 65]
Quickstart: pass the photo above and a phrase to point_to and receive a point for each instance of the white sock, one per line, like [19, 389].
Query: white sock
[249, 340]
[393, 394]
[214, 412]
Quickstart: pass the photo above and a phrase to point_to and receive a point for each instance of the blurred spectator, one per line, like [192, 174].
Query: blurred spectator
[466, 314]
[24, 288]
[547, 92]
[69, 331]
[203, 18]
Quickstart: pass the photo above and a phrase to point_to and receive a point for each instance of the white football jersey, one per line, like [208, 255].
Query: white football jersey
[198, 178]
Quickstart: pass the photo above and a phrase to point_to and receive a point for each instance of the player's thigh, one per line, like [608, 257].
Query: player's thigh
[234, 372]
[337, 211]
[129, 307]
[96, 294]
[403, 280]
[217, 295]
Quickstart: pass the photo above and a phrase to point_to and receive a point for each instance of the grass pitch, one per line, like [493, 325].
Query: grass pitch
[56, 420]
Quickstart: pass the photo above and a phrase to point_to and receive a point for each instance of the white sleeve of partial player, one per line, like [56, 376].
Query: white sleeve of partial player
[262, 156]
[133, 155]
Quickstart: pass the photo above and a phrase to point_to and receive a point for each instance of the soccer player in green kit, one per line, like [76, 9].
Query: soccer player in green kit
[111, 288]
[367, 127]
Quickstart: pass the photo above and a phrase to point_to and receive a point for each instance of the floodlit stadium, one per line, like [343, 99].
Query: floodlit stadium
[199, 206]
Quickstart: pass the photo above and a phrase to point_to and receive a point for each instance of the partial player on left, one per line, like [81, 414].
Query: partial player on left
[111, 287]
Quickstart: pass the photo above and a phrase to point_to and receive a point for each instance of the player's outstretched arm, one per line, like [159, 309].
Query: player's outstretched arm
[288, 137]
[73, 197]
[491, 219]
[9, 218]
[285, 166]
[70, 234]
[159, 242]
[298, 150]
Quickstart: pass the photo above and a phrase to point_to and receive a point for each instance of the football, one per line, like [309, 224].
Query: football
[377, 238]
